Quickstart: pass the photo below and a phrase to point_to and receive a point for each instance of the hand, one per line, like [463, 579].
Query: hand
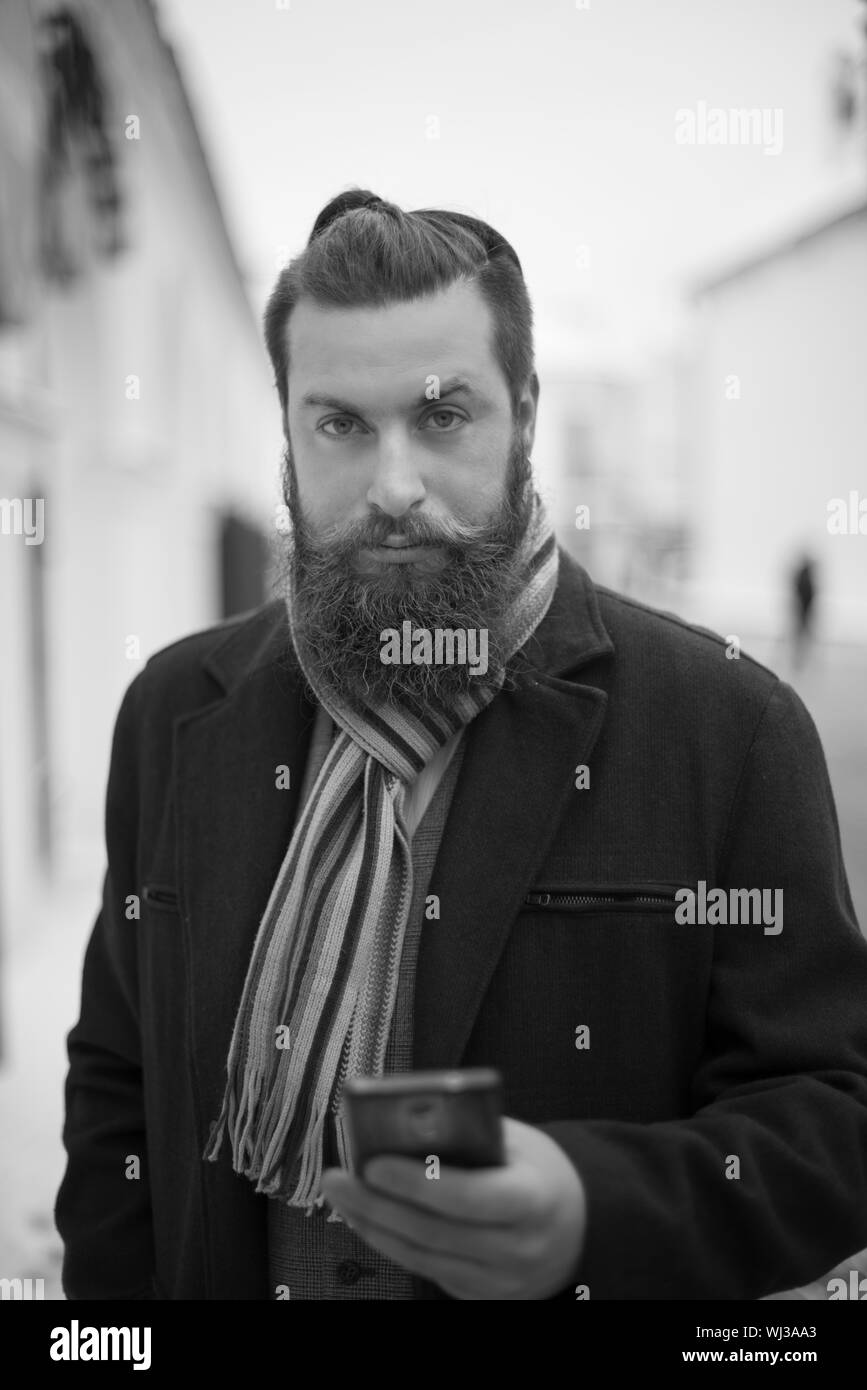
[514, 1232]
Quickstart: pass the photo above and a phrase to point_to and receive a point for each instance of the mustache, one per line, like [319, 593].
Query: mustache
[348, 537]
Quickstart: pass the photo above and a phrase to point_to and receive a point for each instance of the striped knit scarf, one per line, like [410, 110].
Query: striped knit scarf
[320, 990]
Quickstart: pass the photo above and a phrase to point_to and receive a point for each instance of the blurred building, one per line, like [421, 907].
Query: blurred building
[779, 414]
[135, 403]
[609, 458]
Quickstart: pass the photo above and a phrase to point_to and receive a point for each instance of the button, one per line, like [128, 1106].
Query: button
[349, 1272]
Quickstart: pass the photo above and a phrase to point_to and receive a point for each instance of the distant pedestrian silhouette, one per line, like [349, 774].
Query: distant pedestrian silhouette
[803, 599]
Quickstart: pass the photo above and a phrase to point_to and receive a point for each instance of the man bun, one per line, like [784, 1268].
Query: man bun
[343, 203]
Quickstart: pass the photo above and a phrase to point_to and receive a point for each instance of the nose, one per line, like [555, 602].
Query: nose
[396, 486]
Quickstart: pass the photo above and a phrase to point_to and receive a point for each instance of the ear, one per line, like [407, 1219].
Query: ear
[527, 407]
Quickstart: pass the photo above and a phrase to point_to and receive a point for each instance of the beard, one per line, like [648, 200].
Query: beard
[340, 611]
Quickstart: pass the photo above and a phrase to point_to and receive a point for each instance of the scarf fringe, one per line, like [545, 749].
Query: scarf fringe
[329, 945]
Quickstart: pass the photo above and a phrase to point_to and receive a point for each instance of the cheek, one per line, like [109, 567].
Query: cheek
[473, 487]
[473, 502]
[327, 494]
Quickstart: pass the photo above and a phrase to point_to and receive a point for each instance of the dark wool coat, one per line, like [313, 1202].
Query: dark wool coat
[707, 1043]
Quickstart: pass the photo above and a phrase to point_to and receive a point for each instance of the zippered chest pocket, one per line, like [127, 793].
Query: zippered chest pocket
[598, 1001]
[636, 898]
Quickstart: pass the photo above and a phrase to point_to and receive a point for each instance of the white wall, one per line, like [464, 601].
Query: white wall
[794, 331]
[131, 486]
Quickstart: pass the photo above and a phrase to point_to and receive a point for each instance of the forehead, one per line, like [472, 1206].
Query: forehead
[450, 333]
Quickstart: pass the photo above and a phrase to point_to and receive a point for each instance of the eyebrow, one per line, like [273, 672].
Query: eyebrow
[453, 386]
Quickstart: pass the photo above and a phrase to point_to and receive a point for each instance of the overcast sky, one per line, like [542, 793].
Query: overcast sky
[555, 123]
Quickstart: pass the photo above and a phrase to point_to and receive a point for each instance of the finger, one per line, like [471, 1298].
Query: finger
[503, 1196]
[431, 1231]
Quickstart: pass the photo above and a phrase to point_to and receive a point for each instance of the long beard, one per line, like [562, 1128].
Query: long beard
[340, 615]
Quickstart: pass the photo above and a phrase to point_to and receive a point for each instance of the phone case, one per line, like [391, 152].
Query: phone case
[452, 1116]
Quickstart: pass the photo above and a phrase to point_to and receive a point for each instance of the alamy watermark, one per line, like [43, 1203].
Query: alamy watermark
[730, 907]
[856, 1288]
[737, 125]
[847, 518]
[77, 1343]
[23, 516]
[423, 646]
[22, 1290]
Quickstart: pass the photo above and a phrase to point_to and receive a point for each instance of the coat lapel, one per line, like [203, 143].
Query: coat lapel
[234, 826]
[517, 775]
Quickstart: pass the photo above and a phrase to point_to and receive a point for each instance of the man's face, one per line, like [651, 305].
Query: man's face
[407, 482]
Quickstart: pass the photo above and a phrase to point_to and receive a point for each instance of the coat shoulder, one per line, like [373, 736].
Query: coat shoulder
[197, 668]
[675, 658]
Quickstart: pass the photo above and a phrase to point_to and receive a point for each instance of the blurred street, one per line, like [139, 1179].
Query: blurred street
[46, 968]
[833, 686]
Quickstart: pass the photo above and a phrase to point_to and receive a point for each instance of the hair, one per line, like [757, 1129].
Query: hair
[365, 251]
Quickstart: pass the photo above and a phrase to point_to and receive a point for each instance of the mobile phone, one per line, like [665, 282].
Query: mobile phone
[455, 1116]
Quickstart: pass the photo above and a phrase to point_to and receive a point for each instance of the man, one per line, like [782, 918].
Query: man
[599, 857]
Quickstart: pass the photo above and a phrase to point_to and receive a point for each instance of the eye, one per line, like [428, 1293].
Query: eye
[446, 414]
[341, 421]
